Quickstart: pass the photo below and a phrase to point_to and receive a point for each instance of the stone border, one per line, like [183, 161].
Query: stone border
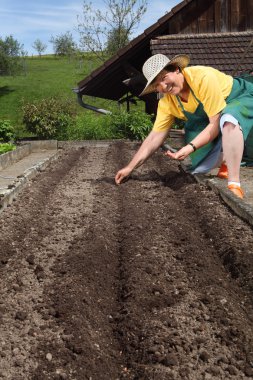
[9, 195]
[9, 158]
[26, 148]
[240, 207]
[38, 145]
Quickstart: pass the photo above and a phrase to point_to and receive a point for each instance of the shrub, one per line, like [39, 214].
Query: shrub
[48, 118]
[132, 125]
[6, 131]
[6, 147]
[91, 126]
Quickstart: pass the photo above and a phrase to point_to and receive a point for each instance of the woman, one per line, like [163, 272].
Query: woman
[218, 114]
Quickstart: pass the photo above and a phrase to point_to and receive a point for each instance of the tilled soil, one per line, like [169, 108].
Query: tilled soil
[151, 279]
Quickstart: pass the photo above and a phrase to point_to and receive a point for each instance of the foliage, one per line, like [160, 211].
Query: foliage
[117, 38]
[91, 126]
[105, 31]
[6, 147]
[132, 125]
[6, 131]
[64, 44]
[48, 118]
[10, 54]
[39, 46]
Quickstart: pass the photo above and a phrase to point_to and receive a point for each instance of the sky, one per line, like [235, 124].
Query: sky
[28, 20]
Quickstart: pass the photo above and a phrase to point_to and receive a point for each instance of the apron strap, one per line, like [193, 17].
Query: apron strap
[180, 102]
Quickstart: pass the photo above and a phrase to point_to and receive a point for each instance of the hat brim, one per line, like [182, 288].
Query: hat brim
[181, 60]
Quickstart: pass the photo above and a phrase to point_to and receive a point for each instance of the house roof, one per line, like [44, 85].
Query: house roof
[107, 81]
[223, 51]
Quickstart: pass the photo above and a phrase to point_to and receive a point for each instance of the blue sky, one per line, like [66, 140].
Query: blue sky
[28, 20]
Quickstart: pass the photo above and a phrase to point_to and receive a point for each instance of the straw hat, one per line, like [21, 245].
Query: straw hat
[158, 62]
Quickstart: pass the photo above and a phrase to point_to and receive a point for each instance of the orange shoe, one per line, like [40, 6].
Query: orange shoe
[223, 171]
[237, 190]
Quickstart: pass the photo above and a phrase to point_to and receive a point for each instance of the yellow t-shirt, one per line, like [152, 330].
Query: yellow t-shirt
[209, 85]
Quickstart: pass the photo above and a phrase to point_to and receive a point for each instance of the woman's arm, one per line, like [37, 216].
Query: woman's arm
[152, 142]
[208, 134]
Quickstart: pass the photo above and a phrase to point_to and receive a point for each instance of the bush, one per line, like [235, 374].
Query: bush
[91, 126]
[6, 131]
[132, 125]
[6, 147]
[48, 118]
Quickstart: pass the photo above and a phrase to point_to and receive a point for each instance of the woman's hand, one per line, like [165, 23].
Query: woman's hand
[122, 174]
[180, 154]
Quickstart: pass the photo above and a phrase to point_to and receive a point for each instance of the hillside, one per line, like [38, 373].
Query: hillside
[41, 78]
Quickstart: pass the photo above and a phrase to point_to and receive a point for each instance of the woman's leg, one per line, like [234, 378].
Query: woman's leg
[233, 146]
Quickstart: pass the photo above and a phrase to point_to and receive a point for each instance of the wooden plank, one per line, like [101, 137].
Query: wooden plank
[217, 16]
[202, 23]
[249, 14]
[225, 19]
[235, 15]
[242, 26]
[210, 19]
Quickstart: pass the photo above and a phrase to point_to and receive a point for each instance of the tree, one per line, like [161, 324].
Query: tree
[103, 32]
[116, 39]
[39, 46]
[10, 56]
[64, 44]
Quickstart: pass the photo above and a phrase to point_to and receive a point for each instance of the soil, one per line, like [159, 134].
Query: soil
[148, 280]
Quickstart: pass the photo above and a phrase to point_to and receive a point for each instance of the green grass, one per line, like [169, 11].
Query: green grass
[41, 78]
[6, 147]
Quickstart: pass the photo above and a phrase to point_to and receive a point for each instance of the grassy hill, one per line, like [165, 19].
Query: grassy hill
[42, 78]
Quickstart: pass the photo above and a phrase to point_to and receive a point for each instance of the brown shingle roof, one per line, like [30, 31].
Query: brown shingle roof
[222, 51]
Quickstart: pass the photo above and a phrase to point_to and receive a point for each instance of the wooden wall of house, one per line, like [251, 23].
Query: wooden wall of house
[213, 16]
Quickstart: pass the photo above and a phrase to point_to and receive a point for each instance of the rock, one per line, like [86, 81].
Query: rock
[16, 351]
[49, 356]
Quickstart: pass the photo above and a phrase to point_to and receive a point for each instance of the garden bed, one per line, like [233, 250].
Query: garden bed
[151, 279]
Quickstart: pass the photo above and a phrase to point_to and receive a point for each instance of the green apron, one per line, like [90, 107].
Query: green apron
[195, 124]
